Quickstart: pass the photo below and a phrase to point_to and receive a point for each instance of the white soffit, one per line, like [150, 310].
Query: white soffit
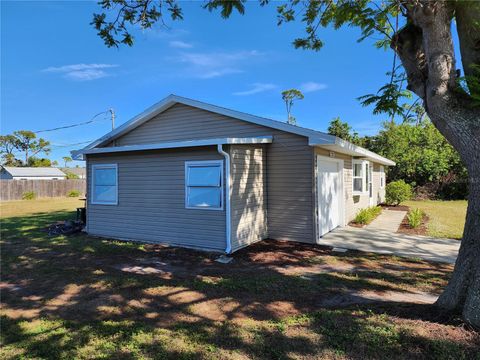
[345, 147]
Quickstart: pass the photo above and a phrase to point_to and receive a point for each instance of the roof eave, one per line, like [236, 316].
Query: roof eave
[348, 148]
[79, 154]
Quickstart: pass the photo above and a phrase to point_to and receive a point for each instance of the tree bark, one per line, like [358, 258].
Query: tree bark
[425, 47]
[467, 16]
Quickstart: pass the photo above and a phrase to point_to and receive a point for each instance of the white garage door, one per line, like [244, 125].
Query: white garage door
[329, 194]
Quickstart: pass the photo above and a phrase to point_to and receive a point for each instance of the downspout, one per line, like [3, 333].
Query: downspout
[228, 194]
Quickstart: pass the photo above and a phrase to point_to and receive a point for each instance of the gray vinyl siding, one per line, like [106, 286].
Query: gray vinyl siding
[363, 200]
[249, 198]
[289, 163]
[151, 201]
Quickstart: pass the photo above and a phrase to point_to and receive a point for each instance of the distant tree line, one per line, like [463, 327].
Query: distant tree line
[423, 156]
[26, 144]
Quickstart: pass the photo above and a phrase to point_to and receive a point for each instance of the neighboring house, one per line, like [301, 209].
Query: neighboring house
[31, 173]
[196, 175]
[79, 171]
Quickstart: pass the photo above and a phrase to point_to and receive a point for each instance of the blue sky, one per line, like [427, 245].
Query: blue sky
[56, 71]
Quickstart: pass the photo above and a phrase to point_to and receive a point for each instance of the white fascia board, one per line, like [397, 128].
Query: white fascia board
[348, 148]
[172, 145]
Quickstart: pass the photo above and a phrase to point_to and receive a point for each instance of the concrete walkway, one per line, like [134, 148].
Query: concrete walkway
[386, 242]
[388, 220]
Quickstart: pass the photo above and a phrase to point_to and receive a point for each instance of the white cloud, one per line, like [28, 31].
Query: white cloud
[209, 65]
[311, 86]
[256, 88]
[180, 44]
[81, 72]
[163, 33]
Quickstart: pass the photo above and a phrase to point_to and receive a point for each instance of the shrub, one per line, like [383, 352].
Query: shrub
[72, 176]
[397, 192]
[73, 193]
[414, 218]
[366, 216]
[29, 195]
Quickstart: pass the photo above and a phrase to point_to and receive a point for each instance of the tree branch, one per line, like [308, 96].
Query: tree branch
[434, 18]
[407, 43]
[467, 16]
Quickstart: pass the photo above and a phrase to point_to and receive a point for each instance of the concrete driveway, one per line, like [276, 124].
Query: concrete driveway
[386, 242]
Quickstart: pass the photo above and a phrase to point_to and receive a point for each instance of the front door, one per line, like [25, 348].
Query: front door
[329, 194]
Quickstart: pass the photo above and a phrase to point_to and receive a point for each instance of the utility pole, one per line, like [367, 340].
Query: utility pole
[112, 113]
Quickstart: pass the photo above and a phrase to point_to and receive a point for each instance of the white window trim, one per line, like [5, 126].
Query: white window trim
[363, 176]
[103, 166]
[222, 187]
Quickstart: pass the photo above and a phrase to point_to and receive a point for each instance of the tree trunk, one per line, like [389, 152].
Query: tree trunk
[463, 290]
[425, 47]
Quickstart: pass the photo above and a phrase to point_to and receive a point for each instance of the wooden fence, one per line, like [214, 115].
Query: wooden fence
[14, 189]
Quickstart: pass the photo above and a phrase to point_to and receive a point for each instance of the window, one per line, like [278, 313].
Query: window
[203, 185]
[358, 177]
[104, 184]
[382, 177]
[362, 176]
[367, 173]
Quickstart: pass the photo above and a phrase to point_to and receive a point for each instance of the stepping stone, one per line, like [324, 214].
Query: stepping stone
[339, 250]
[222, 259]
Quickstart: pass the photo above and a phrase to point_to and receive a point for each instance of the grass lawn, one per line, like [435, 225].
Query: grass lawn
[446, 218]
[80, 297]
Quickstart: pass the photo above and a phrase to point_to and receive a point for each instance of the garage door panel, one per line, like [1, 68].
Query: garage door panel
[329, 195]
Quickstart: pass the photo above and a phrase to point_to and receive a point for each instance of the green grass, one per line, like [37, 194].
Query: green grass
[367, 215]
[69, 300]
[415, 217]
[446, 218]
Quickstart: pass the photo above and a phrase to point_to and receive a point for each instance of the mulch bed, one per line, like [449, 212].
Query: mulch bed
[353, 224]
[406, 229]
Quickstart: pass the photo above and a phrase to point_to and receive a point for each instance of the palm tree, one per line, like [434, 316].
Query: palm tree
[289, 96]
[67, 159]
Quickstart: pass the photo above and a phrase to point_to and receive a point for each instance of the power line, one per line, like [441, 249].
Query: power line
[54, 147]
[77, 124]
[68, 145]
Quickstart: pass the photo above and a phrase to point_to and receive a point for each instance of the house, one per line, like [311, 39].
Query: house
[192, 174]
[78, 171]
[31, 173]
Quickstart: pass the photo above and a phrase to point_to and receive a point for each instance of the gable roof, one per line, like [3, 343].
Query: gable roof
[74, 170]
[315, 138]
[34, 171]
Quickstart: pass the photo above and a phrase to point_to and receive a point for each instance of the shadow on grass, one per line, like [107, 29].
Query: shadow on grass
[67, 297]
